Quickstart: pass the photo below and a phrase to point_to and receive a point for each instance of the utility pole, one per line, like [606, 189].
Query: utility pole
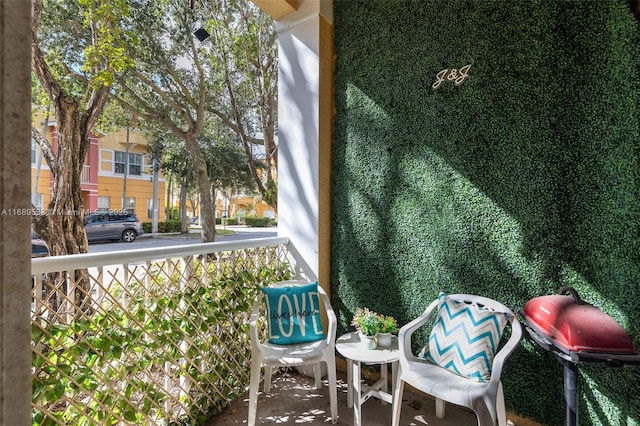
[125, 204]
[154, 202]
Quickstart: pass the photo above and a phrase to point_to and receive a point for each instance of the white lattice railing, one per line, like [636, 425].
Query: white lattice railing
[149, 336]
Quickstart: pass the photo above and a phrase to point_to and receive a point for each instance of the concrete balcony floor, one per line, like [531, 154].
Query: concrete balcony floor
[293, 400]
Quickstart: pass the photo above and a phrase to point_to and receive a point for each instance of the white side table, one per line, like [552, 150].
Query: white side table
[349, 346]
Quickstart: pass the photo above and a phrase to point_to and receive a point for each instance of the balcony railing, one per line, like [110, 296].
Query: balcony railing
[150, 336]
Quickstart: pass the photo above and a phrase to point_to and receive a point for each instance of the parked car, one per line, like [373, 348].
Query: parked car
[113, 226]
[38, 248]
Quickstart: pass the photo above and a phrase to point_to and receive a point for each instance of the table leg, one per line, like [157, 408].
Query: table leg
[385, 381]
[357, 407]
[394, 375]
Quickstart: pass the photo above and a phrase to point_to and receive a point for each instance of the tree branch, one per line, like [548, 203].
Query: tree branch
[46, 148]
[39, 65]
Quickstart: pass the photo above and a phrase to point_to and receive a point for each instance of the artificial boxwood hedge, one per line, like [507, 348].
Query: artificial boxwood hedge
[521, 180]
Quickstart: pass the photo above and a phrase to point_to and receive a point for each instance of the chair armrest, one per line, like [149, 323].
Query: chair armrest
[253, 323]
[331, 317]
[405, 333]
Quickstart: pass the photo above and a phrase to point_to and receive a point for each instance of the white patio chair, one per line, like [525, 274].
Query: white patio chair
[269, 355]
[486, 399]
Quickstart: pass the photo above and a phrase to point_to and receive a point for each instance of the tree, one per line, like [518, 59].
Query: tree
[168, 84]
[74, 61]
[176, 165]
[178, 80]
[76, 53]
[247, 51]
[227, 166]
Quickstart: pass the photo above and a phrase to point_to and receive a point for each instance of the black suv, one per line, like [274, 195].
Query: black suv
[112, 226]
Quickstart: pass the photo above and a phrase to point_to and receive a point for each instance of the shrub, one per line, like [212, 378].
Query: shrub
[226, 221]
[163, 227]
[256, 222]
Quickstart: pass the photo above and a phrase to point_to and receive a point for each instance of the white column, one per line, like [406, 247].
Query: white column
[15, 199]
[299, 121]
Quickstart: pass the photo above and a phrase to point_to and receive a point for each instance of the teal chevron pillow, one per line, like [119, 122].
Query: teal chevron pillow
[293, 314]
[465, 338]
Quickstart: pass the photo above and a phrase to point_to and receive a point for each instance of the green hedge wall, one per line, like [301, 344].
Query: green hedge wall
[521, 180]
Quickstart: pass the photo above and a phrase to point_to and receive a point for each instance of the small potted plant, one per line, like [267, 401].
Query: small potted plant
[387, 325]
[366, 322]
[375, 329]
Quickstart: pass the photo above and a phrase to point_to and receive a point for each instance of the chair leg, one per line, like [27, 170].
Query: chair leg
[440, 410]
[485, 411]
[333, 387]
[267, 378]
[254, 382]
[484, 415]
[501, 412]
[397, 401]
[317, 374]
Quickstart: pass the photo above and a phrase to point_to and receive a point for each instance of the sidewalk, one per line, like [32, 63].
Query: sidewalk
[194, 232]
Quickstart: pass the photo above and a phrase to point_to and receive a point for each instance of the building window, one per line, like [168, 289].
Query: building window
[131, 205]
[104, 203]
[135, 163]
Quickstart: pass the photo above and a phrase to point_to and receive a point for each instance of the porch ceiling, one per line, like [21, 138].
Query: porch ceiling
[277, 8]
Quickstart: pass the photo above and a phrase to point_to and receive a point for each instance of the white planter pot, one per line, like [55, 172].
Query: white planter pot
[384, 340]
[367, 342]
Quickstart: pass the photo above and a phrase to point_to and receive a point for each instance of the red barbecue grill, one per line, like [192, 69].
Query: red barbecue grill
[577, 332]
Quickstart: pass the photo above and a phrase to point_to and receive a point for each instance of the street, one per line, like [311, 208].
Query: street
[148, 241]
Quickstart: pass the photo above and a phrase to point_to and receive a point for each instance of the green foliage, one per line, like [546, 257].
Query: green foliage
[163, 227]
[387, 324]
[87, 35]
[95, 370]
[257, 222]
[271, 194]
[366, 322]
[520, 180]
[170, 226]
[226, 163]
[371, 323]
[226, 221]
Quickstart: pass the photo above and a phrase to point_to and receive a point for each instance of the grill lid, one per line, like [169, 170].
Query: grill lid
[576, 326]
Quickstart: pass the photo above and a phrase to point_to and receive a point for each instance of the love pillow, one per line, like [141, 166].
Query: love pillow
[293, 314]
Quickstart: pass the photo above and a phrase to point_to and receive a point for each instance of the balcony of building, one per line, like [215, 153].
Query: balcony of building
[161, 336]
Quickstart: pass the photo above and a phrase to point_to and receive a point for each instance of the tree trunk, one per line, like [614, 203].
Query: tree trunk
[184, 227]
[61, 225]
[207, 207]
[168, 199]
[64, 228]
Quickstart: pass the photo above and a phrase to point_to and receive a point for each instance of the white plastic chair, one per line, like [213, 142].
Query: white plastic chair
[485, 399]
[271, 355]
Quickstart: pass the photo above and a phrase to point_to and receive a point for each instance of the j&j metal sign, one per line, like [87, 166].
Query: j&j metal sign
[457, 76]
